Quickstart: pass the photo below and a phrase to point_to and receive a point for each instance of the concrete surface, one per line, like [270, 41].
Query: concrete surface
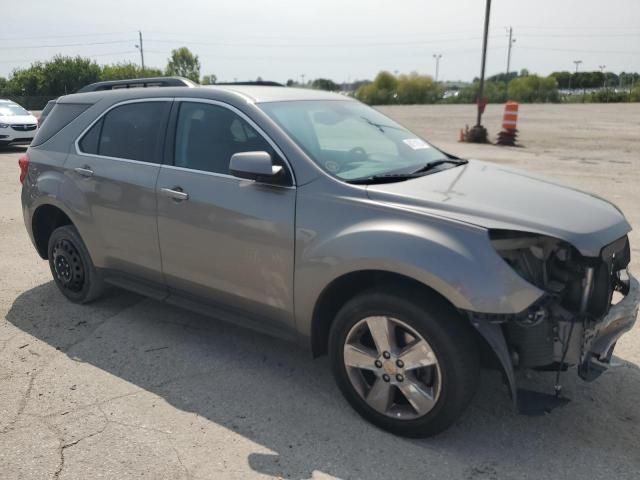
[131, 388]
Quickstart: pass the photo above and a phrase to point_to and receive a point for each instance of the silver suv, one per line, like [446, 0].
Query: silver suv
[313, 217]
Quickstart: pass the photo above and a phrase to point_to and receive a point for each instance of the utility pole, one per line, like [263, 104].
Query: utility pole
[511, 42]
[141, 48]
[302, 75]
[437, 57]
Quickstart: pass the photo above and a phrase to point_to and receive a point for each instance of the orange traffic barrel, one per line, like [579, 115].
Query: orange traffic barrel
[510, 117]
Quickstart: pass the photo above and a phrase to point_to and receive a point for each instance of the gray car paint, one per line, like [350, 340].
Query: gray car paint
[433, 230]
[495, 197]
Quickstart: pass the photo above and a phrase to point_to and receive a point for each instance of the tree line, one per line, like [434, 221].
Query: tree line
[521, 86]
[35, 85]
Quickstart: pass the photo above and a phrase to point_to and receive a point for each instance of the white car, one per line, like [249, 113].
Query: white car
[17, 126]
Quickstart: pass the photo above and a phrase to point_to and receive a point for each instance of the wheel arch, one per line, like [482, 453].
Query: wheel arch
[347, 286]
[45, 219]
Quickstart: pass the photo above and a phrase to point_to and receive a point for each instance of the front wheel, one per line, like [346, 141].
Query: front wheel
[409, 366]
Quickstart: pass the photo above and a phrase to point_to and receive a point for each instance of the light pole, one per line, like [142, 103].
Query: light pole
[437, 57]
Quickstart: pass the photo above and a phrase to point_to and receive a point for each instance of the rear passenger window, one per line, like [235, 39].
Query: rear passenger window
[208, 135]
[133, 131]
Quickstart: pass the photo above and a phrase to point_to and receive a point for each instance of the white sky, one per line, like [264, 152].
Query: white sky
[342, 40]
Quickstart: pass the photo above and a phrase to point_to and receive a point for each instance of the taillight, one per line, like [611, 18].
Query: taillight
[23, 162]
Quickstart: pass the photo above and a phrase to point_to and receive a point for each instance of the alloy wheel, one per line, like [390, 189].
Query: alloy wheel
[392, 367]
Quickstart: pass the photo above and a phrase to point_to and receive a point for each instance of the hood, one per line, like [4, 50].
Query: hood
[495, 197]
[18, 119]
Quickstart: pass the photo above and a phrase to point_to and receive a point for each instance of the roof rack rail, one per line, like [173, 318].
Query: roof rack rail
[264, 83]
[138, 83]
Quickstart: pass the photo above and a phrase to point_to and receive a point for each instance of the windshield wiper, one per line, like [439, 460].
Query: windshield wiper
[380, 126]
[436, 163]
[399, 177]
[386, 178]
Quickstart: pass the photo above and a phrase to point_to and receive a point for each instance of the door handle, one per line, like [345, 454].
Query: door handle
[176, 193]
[84, 171]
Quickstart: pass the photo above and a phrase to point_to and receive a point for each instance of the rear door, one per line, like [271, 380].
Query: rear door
[225, 240]
[115, 166]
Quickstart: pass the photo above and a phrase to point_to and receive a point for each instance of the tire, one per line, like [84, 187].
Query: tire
[71, 266]
[437, 394]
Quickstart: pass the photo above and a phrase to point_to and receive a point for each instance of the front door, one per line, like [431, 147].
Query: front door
[225, 240]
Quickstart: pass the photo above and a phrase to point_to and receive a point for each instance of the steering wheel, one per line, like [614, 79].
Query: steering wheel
[357, 152]
[355, 155]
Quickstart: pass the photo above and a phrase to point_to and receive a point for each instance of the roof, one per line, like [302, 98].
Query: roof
[251, 93]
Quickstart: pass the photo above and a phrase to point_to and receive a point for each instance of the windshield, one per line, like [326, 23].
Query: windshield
[350, 140]
[12, 110]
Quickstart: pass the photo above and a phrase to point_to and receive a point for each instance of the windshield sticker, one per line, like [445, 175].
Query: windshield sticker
[416, 143]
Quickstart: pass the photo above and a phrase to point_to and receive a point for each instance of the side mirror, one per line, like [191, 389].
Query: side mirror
[256, 166]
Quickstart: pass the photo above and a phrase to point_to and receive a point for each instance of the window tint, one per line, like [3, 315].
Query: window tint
[61, 115]
[208, 135]
[89, 142]
[133, 131]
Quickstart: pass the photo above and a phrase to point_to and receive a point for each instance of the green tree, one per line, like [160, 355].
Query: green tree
[534, 89]
[417, 89]
[563, 78]
[184, 63]
[496, 92]
[123, 71]
[59, 76]
[634, 96]
[381, 91]
[325, 84]
[209, 79]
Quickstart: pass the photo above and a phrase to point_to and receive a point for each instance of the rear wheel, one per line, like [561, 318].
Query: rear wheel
[408, 366]
[71, 266]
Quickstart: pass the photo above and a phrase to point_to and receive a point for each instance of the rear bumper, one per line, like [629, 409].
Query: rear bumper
[600, 340]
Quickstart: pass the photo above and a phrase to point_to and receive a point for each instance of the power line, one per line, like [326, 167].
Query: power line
[65, 45]
[107, 54]
[603, 52]
[20, 38]
[580, 35]
[323, 45]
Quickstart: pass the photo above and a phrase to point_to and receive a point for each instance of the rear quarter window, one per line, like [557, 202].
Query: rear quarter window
[60, 116]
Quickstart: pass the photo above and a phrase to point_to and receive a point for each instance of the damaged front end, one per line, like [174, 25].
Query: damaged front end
[589, 302]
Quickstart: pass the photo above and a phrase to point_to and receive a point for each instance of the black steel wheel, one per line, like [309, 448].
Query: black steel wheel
[71, 266]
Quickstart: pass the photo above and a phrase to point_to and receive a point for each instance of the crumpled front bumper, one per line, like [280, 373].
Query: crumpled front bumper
[600, 340]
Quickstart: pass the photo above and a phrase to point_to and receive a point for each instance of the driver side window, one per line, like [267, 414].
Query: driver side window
[208, 135]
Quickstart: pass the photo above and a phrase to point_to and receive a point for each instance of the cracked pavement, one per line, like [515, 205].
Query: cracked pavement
[128, 387]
